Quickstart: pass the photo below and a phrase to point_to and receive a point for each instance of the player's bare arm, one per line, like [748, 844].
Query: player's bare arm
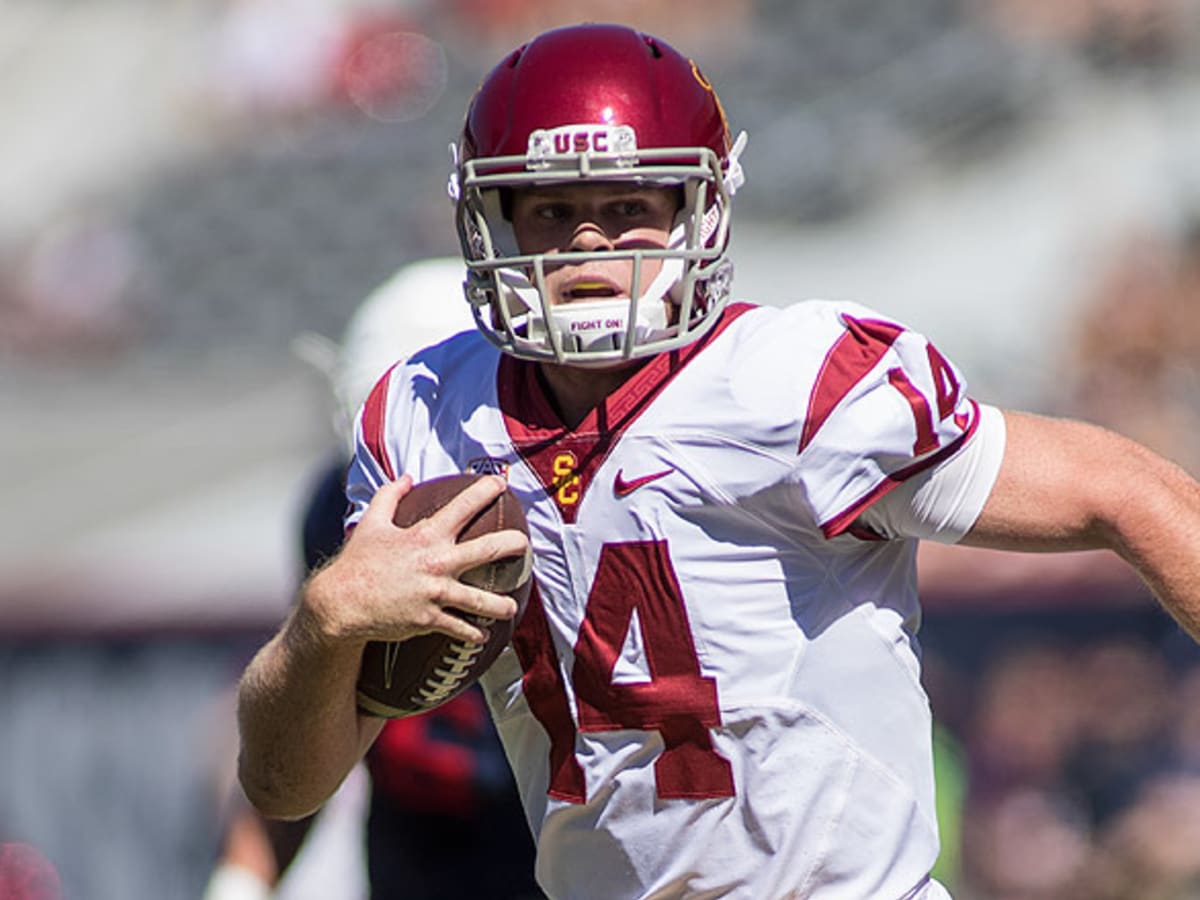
[300, 729]
[1066, 485]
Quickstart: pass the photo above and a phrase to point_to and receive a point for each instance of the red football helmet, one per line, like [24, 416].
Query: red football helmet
[596, 103]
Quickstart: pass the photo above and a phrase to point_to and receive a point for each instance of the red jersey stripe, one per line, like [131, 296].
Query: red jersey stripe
[374, 424]
[855, 354]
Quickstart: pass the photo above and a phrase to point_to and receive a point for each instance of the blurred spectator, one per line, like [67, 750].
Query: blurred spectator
[1027, 721]
[1184, 737]
[1029, 844]
[1112, 33]
[1136, 364]
[1152, 850]
[273, 57]
[74, 291]
[291, 61]
[1084, 770]
[506, 23]
[1124, 704]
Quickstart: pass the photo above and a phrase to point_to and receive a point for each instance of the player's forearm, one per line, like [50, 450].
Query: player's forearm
[1068, 485]
[299, 729]
[1155, 526]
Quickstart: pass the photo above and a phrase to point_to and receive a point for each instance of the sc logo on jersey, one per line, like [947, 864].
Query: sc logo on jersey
[566, 479]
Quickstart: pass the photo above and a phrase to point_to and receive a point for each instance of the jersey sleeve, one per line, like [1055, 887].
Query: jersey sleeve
[373, 464]
[943, 502]
[394, 431]
[885, 406]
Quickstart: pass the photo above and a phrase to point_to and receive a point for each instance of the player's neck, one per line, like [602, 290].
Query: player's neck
[575, 392]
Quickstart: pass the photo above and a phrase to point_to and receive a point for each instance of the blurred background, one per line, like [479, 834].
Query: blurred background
[195, 196]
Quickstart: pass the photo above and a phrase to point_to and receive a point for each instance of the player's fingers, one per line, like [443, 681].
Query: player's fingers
[469, 502]
[487, 548]
[477, 602]
[382, 508]
[459, 628]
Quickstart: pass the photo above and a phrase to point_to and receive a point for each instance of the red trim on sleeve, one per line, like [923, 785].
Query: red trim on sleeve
[852, 356]
[374, 423]
[845, 519]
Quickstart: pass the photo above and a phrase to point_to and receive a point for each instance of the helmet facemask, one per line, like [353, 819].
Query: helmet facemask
[506, 288]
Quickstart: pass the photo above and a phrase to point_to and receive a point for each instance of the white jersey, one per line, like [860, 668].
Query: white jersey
[714, 691]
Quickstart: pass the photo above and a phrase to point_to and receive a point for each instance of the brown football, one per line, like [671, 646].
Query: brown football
[401, 678]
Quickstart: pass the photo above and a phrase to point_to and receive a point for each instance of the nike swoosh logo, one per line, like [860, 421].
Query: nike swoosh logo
[624, 488]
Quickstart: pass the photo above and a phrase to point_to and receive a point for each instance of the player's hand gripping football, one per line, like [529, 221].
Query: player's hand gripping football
[390, 583]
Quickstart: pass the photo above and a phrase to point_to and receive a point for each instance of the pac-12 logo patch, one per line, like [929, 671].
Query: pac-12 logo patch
[487, 465]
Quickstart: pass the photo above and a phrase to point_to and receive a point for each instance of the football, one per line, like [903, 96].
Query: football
[402, 678]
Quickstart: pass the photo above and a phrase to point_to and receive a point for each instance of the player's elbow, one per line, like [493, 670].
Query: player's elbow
[275, 797]
[1151, 499]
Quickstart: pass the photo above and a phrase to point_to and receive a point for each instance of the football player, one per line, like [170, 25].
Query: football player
[715, 688]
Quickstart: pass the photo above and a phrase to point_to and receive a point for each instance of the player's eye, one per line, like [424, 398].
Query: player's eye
[647, 205]
[632, 208]
[551, 211]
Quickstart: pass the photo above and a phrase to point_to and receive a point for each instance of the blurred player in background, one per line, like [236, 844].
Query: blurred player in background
[715, 689]
[435, 793]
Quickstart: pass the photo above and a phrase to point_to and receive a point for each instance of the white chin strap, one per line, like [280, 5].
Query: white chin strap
[604, 324]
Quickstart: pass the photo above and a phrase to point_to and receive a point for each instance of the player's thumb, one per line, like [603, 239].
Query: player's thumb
[382, 509]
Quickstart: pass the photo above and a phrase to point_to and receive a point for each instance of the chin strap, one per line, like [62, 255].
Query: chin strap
[735, 175]
[603, 324]
[453, 188]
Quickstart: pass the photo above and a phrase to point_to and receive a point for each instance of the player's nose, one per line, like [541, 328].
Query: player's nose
[589, 236]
